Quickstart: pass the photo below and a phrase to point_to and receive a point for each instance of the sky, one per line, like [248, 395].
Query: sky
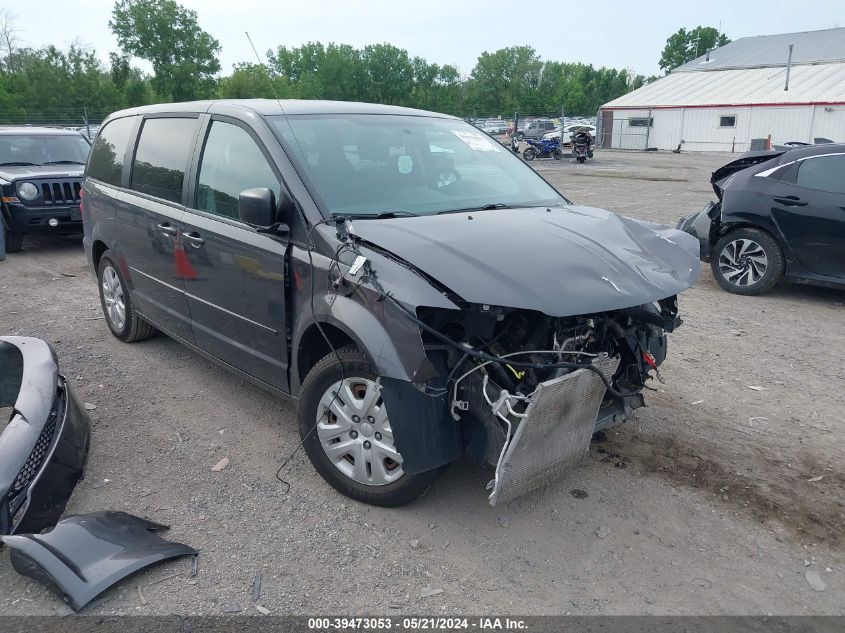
[610, 33]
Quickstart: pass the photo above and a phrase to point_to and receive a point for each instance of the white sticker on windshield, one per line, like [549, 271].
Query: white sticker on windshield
[477, 141]
[405, 164]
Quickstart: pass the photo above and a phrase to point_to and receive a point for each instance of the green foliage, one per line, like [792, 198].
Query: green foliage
[516, 79]
[379, 73]
[183, 56]
[59, 85]
[684, 46]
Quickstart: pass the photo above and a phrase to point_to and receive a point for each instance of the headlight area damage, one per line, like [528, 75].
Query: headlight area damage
[44, 436]
[560, 351]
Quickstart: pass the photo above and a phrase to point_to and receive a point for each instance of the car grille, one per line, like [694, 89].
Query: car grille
[61, 191]
[36, 457]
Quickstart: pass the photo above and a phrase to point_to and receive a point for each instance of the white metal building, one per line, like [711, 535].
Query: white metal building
[722, 100]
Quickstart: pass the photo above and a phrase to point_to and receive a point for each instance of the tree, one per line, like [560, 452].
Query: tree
[183, 56]
[8, 40]
[684, 46]
[506, 80]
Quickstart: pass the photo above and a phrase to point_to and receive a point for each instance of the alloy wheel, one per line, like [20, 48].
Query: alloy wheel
[354, 431]
[113, 298]
[743, 262]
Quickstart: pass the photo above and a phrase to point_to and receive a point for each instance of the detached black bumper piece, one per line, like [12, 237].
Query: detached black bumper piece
[86, 554]
[43, 441]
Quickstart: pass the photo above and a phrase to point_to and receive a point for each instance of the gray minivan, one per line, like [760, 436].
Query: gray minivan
[418, 290]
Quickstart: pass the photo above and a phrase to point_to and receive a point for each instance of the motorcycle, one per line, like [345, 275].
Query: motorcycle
[544, 148]
[581, 147]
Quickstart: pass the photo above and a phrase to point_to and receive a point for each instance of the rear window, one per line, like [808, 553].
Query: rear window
[106, 162]
[43, 149]
[161, 157]
[824, 173]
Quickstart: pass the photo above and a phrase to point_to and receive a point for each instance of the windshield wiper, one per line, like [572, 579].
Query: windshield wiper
[382, 214]
[485, 207]
[17, 163]
[63, 162]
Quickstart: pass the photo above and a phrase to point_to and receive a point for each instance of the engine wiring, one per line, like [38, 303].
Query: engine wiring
[504, 356]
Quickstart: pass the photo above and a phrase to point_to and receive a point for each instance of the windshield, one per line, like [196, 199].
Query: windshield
[43, 149]
[366, 165]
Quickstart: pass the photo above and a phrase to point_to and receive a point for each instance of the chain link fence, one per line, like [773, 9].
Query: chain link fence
[626, 132]
[71, 118]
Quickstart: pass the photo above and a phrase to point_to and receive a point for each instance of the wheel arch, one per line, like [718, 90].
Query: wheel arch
[351, 322]
[728, 227]
[313, 346]
[98, 247]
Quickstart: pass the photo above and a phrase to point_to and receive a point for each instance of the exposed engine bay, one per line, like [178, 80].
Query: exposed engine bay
[520, 383]
[624, 348]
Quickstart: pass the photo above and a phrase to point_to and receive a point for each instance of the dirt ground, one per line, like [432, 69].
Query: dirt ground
[716, 499]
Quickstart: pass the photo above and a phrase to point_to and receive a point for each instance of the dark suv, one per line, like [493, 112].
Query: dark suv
[41, 179]
[414, 286]
[535, 129]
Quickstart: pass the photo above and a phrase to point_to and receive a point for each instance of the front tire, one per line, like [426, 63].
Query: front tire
[118, 308]
[557, 154]
[747, 261]
[529, 154]
[345, 429]
[14, 241]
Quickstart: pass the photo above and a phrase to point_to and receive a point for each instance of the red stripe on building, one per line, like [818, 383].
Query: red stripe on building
[728, 105]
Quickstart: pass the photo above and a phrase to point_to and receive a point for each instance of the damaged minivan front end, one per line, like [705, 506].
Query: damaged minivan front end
[546, 327]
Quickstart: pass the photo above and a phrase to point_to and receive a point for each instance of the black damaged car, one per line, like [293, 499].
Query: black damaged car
[416, 288]
[40, 179]
[780, 215]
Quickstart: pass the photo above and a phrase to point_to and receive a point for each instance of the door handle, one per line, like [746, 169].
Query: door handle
[165, 228]
[193, 239]
[790, 201]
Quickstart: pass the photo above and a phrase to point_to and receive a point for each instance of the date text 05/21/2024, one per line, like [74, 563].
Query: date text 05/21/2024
[431, 623]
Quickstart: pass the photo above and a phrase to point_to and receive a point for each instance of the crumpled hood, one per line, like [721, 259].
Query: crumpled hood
[563, 261]
[22, 172]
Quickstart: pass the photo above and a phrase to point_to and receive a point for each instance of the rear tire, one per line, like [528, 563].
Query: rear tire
[582, 159]
[747, 261]
[529, 154]
[319, 432]
[14, 241]
[118, 308]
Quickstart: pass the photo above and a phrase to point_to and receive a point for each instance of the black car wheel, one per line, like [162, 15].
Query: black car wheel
[747, 261]
[14, 241]
[345, 429]
[520, 136]
[117, 305]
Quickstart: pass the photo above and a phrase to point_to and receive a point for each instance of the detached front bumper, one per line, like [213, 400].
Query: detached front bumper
[44, 446]
[700, 226]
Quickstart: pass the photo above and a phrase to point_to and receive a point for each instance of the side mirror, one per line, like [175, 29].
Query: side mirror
[257, 207]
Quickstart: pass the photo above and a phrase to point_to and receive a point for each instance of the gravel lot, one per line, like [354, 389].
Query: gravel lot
[700, 505]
